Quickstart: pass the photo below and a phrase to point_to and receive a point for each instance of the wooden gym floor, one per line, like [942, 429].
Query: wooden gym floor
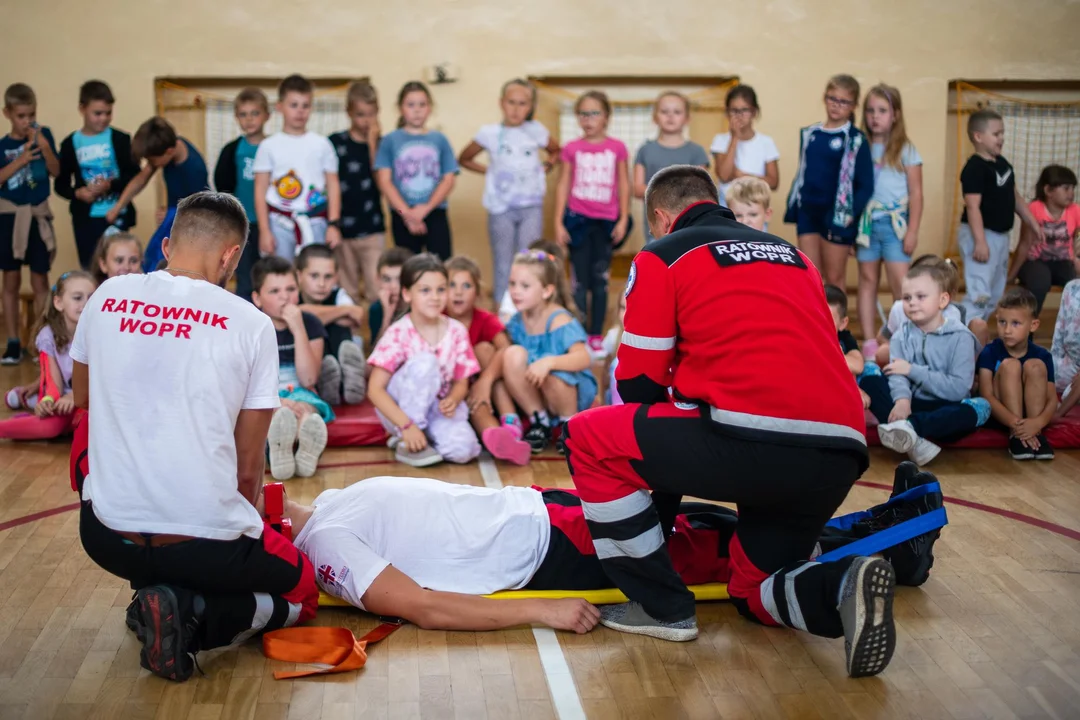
[995, 632]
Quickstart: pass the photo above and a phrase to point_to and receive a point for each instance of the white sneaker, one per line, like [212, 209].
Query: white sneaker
[353, 373]
[898, 436]
[280, 438]
[12, 399]
[392, 441]
[923, 452]
[424, 458]
[311, 443]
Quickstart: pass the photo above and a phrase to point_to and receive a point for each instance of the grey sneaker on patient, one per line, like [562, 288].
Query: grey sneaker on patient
[630, 617]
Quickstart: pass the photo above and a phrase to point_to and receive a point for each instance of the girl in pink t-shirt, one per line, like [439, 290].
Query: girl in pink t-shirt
[592, 207]
[420, 372]
[1042, 265]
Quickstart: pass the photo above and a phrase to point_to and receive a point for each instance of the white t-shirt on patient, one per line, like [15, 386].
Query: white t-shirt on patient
[298, 165]
[448, 537]
[172, 362]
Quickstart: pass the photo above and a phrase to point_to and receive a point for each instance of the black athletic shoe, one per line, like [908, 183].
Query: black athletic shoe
[12, 354]
[1019, 450]
[538, 435]
[903, 478]
[134, 619]
[913, 559]
[1045, 451]
[169, 624]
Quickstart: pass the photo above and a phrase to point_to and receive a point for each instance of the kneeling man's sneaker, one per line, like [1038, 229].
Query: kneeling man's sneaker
[167, 618]
[630, 617]
[866, 599]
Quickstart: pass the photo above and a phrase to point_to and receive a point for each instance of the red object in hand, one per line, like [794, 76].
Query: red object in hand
[274, 508]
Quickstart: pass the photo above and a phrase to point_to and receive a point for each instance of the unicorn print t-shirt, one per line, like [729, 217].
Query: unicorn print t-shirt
[594, 187]
[417, 162]
[515, 175]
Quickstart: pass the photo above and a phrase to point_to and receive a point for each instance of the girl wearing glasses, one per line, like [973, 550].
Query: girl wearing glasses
[834, 183]
[744, 152]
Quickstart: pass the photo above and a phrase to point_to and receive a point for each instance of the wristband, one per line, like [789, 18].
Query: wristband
[406, 426]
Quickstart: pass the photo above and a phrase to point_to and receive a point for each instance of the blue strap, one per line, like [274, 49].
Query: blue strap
[888, 537]
[551, 319]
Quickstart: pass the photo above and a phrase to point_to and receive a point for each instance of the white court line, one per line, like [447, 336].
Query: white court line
[564, 694]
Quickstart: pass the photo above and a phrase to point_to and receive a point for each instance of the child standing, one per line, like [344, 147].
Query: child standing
[420, 373]
[52, 402]
[302, 417]
[1016, 377]
[990, 201]
[95, 167]
[592, 208]
[671, 113]
[363, 227]
[491, 409]
[514, 182]
[547, 368]
[742, 151]
[297, 193]
[382, 313]
[1041, 265]
[343, 373]
[415, 169]
[925, 392]
[834, 183]
[889, 230]
[117, 253]
[182, 167]
[749, 198]
[27, 161]
[235, 174]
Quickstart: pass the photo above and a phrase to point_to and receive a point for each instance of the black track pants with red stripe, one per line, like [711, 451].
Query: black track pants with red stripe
[785, 494]
[249, 585]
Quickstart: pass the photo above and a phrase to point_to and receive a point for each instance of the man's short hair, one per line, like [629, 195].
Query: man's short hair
[154, 138]
[267, 266]
[1019, 298]
[979, 120]
[314, 252]
[836, 298]
[95, 91]
[211, 218]
[19, 94]
[678, 186]
[251, 95]
[296, 84]
[749, 191]
[393, 257]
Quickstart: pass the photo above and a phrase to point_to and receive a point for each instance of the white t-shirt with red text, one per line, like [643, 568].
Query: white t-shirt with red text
[172, 362]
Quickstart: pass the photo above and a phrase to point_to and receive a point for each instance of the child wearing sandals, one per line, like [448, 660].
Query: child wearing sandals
[53, 406]
[547, 369]
[302, 417]
[491, 409]
[420, 372]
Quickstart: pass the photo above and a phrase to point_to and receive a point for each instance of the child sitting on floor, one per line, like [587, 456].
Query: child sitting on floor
[748, 198]
[1016, 377]
[117, 253]
[302, 417]
[925, 394]
[555, 250]
[343, 374]
[838, 303]
[547, 369]
[383, 312]
[51, 400]
[420, 372]
[500, 433]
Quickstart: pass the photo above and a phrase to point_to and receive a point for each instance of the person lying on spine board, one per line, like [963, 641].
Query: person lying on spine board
[425, 550]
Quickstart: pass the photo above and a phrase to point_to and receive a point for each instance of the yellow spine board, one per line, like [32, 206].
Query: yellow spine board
[702, 593]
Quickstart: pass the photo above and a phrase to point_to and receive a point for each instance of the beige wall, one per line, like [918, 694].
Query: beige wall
[784, 48]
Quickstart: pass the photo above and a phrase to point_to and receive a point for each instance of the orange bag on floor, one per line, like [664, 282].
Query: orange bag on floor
[334, 646]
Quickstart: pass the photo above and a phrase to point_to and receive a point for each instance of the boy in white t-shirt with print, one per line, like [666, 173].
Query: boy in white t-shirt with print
[297, 192]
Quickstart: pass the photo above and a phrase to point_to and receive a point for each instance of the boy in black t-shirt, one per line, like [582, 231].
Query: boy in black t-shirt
[1016, 377]
[857, 364]
[344, 370]
[302, 417]
[382, 312]
[990, 201]
[363, 226]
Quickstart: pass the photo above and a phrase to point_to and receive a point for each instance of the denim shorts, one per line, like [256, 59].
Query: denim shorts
[817, 220]
[884, 244]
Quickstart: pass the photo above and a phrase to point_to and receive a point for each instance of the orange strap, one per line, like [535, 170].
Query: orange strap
[334, 646]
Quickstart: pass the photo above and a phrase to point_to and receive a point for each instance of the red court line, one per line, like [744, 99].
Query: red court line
[1001, 512]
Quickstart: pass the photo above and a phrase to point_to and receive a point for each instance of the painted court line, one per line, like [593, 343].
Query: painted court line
[564, 694]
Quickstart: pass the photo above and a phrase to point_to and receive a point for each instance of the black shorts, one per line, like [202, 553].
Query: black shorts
[37, 256]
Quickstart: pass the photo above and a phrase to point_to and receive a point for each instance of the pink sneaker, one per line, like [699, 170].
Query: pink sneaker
[870, 348]
[505, 443]
[596, 346]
